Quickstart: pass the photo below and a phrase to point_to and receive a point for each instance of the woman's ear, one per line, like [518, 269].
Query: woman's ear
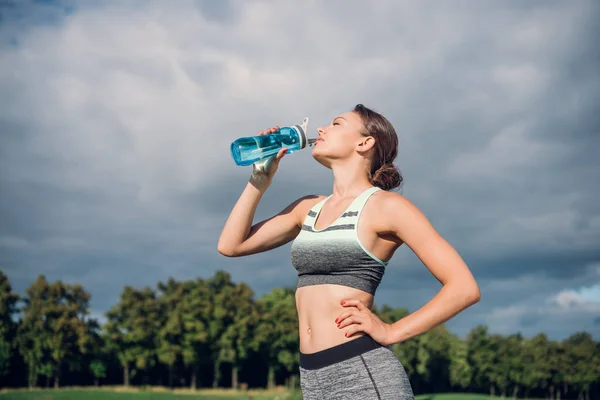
[365, 144]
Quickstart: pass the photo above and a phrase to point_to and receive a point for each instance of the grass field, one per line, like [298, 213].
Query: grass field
[70, 394]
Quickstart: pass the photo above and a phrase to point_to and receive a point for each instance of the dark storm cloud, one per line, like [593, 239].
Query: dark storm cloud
[115, 165]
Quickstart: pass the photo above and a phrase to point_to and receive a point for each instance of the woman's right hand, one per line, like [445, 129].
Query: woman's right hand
[264, 170]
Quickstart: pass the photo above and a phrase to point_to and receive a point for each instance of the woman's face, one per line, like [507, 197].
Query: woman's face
[340, 139]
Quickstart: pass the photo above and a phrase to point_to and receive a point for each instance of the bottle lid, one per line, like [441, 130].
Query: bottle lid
[302, 132]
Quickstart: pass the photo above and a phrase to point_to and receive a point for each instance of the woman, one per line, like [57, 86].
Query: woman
[341, 246]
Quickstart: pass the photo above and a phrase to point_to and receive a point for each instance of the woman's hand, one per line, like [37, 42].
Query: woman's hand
[263, 170]
[359, 318]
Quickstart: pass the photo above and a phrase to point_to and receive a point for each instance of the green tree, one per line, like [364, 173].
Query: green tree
[69, 336]
[47, 369]
[499, 371]
[536, 363]
[461, 371]
[32, 333]
[235, 341]
[583, 355]
[98, 369]
[221, 317]
[556, 359]
[481, 356]
[8, 308]
[512, 363]
[132, 330]
[277, 333]
[195, 308]
[434, 346]
[171, 331]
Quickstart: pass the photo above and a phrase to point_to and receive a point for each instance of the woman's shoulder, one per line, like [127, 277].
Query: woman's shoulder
[310, 200]
[386, 202]
[303, 204]
[385, 197]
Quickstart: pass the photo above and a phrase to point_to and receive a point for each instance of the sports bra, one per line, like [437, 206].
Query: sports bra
[335, 255]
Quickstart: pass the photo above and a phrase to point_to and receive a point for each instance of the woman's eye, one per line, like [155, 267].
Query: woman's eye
[336, 123]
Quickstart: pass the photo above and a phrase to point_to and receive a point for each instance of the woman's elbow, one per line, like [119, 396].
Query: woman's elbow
[227, 251]
[465, 293]
[472, 294]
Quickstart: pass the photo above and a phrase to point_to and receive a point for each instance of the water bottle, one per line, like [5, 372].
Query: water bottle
[248, 150]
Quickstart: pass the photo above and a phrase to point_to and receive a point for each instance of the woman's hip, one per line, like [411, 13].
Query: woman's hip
[359, 369]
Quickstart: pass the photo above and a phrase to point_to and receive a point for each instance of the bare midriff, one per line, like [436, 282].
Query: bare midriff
[318, 306]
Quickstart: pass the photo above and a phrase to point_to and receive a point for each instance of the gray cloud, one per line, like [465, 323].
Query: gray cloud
[115, 123]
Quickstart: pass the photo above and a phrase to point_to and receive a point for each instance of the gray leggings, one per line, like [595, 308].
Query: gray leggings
[360, 369]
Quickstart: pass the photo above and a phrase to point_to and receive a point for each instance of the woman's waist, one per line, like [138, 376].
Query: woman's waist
[317, 303]
[320, 337]
[318, 308]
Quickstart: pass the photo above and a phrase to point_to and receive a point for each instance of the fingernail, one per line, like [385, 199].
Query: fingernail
[343, 302]
[346, 334]
[336, 320]
[338, 325]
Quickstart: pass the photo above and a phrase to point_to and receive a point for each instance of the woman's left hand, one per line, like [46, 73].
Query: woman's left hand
[359, 318]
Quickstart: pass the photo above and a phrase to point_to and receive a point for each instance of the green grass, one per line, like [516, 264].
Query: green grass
[454, 396]
[462, 396]
[72, 394]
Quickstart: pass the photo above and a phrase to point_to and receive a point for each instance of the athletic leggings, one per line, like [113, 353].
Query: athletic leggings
[360, 369]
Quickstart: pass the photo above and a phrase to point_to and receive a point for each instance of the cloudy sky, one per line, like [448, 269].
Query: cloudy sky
[115, 122]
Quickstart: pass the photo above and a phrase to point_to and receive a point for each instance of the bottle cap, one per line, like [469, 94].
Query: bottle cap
[302, 132]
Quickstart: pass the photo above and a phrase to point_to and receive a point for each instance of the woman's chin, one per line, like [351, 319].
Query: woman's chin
[321, 159]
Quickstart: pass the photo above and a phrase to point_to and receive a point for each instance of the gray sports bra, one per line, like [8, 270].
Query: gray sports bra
[334, 254]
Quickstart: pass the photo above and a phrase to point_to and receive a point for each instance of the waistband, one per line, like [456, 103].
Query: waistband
[338, 353]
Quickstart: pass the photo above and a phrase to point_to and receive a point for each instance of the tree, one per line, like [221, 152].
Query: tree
[54, 330]
[499, 371]
[98, 369]
[32, 332]
[69, 336]
[461, 371]
[277, 332]
[196, 306]
[511, 358]
[132, 329]
[8, 307]
[582, 353]
[222, 315]
[47, 369]
[536, 363]
[171, 331]
[203, 325]
[434, 357]
[481, 356]
[235, 341]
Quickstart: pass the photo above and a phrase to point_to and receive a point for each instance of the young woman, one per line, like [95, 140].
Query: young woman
[341, 246]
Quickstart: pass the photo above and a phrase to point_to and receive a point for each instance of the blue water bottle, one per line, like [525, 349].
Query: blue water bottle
[248, 150]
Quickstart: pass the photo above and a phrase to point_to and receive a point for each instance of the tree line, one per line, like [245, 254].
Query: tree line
[214, 333]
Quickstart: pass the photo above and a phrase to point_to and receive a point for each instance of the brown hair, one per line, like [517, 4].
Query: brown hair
[383, 172]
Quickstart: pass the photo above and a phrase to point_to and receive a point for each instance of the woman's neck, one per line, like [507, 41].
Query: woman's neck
[349, 180]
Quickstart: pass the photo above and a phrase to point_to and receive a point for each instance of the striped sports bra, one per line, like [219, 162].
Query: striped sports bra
[335, 255]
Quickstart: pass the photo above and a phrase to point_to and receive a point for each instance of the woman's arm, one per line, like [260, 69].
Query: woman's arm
[240, 238]
[459, 288]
